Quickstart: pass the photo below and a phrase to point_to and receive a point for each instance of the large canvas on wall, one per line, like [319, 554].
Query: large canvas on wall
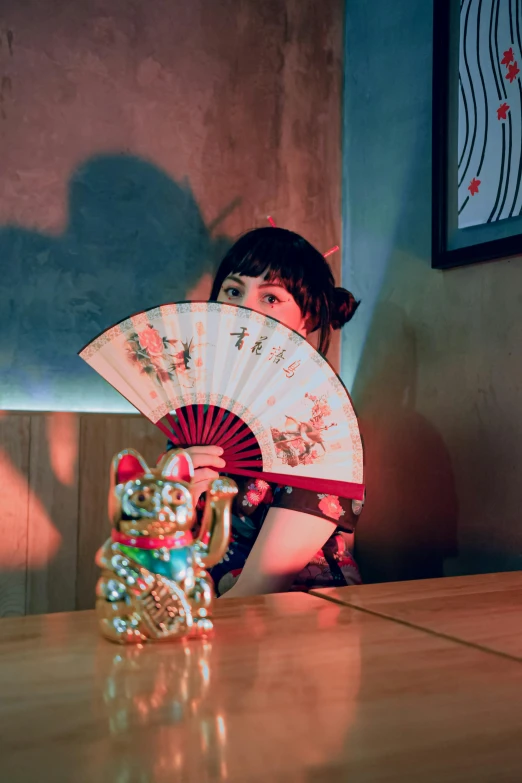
[477, 119]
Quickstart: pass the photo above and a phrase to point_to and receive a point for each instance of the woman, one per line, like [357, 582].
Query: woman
[282, 538]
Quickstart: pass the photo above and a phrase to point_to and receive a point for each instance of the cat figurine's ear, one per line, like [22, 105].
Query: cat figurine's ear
[127, 465]
[176, 466]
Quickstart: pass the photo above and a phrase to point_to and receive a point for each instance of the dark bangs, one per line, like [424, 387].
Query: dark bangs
[279, 254]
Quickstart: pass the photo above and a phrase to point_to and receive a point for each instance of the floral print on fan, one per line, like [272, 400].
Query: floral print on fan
[330, 506]
[150, 340]
[160, 357]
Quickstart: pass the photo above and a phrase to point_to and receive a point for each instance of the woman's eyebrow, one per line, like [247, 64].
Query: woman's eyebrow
[273, 284]
[234, 279]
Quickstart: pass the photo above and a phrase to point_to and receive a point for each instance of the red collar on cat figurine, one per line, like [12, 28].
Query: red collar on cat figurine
[145, 542]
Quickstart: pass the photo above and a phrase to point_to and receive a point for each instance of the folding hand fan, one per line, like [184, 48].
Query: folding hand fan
[209, 373]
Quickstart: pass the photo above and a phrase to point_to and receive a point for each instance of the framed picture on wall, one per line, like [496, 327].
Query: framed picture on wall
[477, 131]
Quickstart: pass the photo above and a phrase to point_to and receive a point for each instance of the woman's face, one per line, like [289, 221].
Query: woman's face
[271, 299]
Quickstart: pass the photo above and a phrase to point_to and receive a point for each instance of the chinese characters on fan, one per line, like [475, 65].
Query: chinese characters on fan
[240, 337]
[276, 355]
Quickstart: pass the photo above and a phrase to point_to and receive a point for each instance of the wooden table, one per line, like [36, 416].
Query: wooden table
[291, 688]
[483, 610]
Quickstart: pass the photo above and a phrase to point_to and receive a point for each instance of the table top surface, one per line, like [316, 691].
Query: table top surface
[483, 610]
[290, 688]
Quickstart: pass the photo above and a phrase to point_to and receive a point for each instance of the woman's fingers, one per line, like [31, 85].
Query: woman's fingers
[203, 457]
[204, 475]
[217, 451]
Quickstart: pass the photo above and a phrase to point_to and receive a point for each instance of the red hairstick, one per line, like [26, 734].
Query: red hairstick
[331, 251]
[271, 221]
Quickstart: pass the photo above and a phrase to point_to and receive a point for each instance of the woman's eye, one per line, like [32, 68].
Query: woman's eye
[232, 292]
[271, 299]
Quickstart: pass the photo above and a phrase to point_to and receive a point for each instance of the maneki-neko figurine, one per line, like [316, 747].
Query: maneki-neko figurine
[154, 584]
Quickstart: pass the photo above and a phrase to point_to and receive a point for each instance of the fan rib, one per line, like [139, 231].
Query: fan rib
[225, 433]
[200, 420]
[244, 434]
[192, 424]
[175, 428]
[208, 424]
[165, 430]
[244, 448]
[183, 425]
[215, 426]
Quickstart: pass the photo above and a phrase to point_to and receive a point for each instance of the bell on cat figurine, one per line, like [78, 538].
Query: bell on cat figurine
[154, 583]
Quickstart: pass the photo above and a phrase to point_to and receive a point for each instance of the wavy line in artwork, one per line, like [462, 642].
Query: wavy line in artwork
[508, 167]
[495, 67]
[472, 95]
[517, 19]
[466, 117]
[511, 23]
[497, 52]
[494, 58]
[464, 204]
[505, 167]
[499, 189]
[484, 92]
[519, 175]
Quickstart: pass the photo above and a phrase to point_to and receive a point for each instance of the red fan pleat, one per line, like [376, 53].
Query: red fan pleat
[199, 425]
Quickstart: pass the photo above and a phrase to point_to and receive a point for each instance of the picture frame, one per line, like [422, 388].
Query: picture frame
[477, 131]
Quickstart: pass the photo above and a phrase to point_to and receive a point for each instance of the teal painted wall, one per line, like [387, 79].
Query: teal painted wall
[433, 357]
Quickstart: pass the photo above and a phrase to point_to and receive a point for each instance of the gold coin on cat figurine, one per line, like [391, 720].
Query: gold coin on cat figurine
[154, 584]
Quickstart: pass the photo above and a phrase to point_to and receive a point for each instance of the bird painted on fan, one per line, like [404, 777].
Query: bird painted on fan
[310, 435]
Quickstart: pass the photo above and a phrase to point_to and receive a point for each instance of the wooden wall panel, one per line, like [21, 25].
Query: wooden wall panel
[102, 436]
[14, 471]
[53, 513]
[54, 473]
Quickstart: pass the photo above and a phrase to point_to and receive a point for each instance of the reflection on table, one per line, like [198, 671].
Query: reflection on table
[290, 688]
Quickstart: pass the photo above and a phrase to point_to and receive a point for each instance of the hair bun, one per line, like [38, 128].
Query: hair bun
[344, 306]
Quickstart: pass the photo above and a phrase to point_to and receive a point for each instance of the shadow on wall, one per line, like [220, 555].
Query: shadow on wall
[135, 239]
[409, 524]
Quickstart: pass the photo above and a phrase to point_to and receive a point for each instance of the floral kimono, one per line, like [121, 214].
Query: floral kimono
[332, 566]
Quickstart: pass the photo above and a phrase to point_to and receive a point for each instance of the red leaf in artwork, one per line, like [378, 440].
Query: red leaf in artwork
[513, 71]
[508, 57]
[502, 111]
[473, 186]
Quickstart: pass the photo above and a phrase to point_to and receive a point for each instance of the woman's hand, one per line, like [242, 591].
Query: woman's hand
[207, 461]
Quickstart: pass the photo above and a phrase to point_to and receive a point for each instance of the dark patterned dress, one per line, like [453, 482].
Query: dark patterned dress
[332, 566]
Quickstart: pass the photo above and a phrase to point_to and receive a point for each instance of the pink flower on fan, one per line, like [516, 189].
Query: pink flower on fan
[151, 341]
[330, 506]
[271, 401]
[199, 362]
